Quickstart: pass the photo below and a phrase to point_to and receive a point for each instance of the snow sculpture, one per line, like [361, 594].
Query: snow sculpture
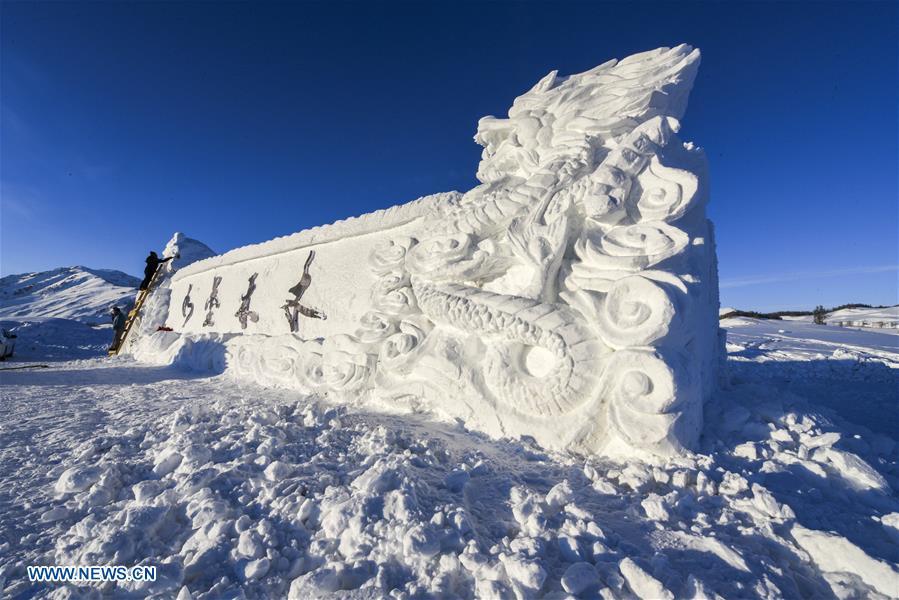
[571, 296]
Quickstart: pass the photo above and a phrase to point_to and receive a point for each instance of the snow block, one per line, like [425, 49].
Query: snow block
[572, 296]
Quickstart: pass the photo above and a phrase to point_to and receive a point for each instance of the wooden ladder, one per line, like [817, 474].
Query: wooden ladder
[133, 313]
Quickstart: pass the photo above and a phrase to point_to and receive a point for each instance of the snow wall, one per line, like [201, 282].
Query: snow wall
[572, 296]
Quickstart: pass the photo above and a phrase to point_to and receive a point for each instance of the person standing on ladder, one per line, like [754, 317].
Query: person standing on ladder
[118, 327]
[153, 263]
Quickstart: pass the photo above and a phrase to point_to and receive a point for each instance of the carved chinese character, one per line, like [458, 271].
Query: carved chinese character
[212, 302]
[244, 313]
[187, 307]
[293, 309]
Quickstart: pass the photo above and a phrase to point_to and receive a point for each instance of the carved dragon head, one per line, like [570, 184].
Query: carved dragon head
[566, 123]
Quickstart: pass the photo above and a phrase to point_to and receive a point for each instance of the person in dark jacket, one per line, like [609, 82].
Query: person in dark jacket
[153, 263]
[118, 326]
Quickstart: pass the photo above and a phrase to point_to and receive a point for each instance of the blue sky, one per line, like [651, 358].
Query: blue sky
[238, 122]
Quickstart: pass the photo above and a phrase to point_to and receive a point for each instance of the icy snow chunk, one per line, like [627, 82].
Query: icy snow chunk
[835, 554]
[527, 510]
[77, 479]
[277, 471]
[560, 495]
[732, 484]
[765, 503]
[855, 471]
[714, 546]
[184, 594]
[579, 577]
[655, 508]
[256, 569]
[249, 544]
[890, 524]
[146, 490]
[166, 462]
[747, 450]
[526, 574]
[421, 540]
[307, 508]
[56, 513]
[644, 585]
[377, 479]
[636, 476]
[697, 590]
[827, 439]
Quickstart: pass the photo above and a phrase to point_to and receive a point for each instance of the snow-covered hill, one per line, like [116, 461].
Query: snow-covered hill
[63, 313]
[880, 318]
[885, 317]
[232, 490]
[75, 293]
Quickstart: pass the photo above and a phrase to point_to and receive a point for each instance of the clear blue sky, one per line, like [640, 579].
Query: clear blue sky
[238, 122]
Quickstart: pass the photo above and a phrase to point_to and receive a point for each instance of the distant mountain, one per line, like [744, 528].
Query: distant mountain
[76, 293]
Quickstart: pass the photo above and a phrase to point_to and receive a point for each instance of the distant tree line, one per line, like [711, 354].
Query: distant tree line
[819, 313]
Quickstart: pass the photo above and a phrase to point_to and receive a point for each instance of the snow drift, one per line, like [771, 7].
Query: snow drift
[570, 297]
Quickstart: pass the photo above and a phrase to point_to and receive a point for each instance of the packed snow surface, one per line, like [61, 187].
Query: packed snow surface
[234, 490]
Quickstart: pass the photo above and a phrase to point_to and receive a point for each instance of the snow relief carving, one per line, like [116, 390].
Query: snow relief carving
[212, 302]
[187, 306]
[292, 307]
[570, 297]
[244, 314]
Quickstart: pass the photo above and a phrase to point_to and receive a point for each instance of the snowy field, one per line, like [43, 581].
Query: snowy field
[232, 490]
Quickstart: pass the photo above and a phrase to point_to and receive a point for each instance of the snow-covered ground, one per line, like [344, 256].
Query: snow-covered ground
[233, 490]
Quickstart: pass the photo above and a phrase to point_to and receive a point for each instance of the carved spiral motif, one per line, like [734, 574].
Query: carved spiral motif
[374, 327]
[345, 363]
[641, 381]
[310, 371]
[643, 392]
[667, 193]
[279, 364]
[388, 255]
[389, 282]
[435, 254]
[400, 348]
[397, 302]
[635, 246]
[635, 312]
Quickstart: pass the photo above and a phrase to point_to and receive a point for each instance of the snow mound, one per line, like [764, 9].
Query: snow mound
[187, 250]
